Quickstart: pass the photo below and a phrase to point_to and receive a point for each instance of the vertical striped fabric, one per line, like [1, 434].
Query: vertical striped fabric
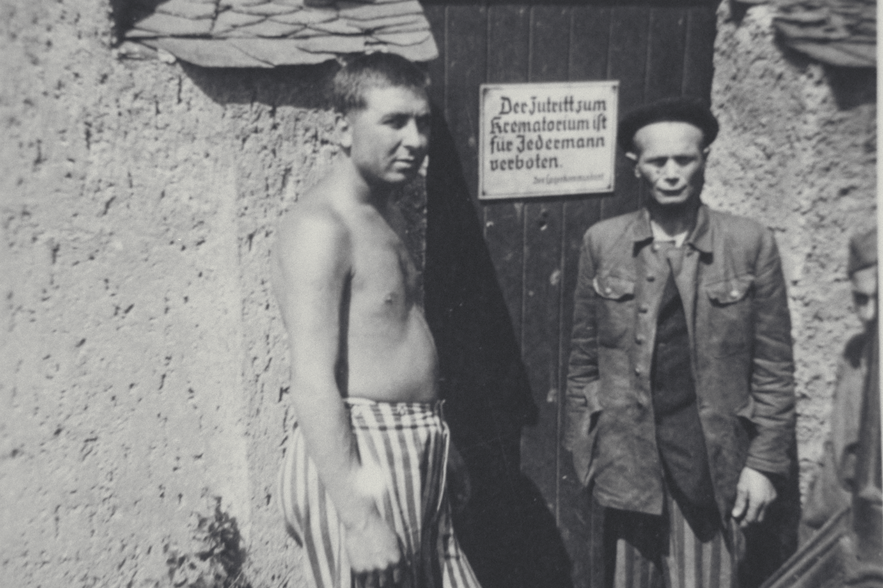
[409, 443]
[679, 559]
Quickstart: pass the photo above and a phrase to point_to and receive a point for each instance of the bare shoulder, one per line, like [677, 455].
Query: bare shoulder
[312, 237]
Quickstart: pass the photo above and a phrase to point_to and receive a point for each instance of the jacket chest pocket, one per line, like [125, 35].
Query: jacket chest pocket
[729, 315]
[615, 308]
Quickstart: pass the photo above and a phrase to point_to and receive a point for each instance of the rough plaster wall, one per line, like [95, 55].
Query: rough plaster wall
[797, 151]
[144, 367]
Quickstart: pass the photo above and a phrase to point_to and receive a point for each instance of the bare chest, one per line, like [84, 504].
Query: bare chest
[385, 277]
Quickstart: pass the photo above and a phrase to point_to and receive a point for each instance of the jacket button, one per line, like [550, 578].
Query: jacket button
[643, 308]
[734, 293]
[656, 247]
[637, 371]
[607, 290]
[651, 278]
[639, 339]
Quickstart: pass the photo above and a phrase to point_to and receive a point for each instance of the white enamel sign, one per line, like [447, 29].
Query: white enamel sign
[547, 139]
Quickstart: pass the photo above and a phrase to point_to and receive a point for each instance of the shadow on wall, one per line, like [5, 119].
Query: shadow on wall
[301, 86]
[851, 86]
[507, 531]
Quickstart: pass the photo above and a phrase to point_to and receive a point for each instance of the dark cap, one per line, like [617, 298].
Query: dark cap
[862, 251]
[686, 109]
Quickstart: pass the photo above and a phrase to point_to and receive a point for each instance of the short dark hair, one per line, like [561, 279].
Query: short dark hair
[688, 109]
[374, 70]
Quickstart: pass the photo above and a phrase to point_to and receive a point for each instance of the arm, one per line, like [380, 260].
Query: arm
[582, 369]
[772, 388]
[313, 265]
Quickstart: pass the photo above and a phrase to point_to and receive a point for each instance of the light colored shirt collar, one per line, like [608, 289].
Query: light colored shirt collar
[662, 236]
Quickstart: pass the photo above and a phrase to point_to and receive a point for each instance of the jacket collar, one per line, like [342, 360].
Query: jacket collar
[700, 238]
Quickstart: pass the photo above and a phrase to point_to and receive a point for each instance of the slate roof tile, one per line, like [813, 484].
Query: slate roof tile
[371, 11]
[269, 9]
[266, 33]
[266, 28]
[837, 32]
[175, 26]
[333, 44]
[292, 18]
[421, 52]
[306, 33]
[279, 51]
[407, 28]
[404, 39]
[206, 52]
[388, 22]
[336, 27]
[830, 33]
[136, 34]
[844, 54]
[309, 16]
[237, 4]
[229, 20]
[188, 8]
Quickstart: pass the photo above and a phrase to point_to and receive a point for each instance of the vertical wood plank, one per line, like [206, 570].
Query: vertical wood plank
[507, 62]
[549, 53]
[699, 51]
[665, 61]
[465, 71]
[588, 60]
[542, 274]
[627, 63]
[435, 15]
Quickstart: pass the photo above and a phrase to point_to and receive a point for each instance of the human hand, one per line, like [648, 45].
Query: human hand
[374, 554]
[754, 493]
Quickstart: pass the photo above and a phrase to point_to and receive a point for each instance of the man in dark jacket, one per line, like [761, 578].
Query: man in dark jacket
[830, 490]
[680, 395]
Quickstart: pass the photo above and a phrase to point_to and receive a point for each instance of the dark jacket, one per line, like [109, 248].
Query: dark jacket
[828, 491]
[733, 290]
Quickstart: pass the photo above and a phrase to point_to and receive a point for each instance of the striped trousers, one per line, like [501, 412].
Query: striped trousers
[408, 443]
[646, 551]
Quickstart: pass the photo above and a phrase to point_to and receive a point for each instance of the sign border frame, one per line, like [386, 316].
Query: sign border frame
[484, 88]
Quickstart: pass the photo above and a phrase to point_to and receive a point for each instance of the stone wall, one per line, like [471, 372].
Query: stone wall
[144, 367]
[798, 152]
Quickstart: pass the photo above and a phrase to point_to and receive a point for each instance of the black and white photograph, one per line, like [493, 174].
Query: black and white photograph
[439, 294]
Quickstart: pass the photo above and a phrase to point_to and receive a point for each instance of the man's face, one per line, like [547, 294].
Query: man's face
[389, 138]
[670, 161]
[864, 294]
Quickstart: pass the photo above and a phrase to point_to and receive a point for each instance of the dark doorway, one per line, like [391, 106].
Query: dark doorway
[500, 275]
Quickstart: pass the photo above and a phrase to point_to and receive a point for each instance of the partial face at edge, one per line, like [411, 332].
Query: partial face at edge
[389, 138]
[670, 161]
[864, 294]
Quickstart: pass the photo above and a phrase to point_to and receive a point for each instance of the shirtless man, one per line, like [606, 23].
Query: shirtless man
[362, 484]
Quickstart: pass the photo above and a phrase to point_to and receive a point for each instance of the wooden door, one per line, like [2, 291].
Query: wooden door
[500, 275]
